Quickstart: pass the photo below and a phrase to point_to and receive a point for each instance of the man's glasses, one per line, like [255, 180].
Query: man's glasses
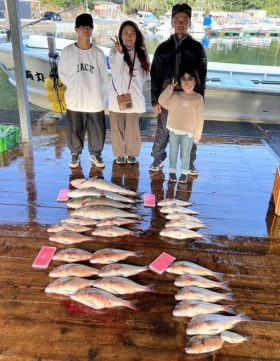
[187, 80]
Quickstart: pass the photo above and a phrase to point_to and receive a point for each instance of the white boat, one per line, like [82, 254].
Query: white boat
[234, 91]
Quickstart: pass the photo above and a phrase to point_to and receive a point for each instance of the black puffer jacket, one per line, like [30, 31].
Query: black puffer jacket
[191, 53]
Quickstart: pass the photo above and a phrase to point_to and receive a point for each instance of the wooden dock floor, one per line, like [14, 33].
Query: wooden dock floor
[233, 196]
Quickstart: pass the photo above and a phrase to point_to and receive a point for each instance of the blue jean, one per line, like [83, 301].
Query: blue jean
[184, 143]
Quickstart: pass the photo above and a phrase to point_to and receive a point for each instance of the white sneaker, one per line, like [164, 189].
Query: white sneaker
[97, 161]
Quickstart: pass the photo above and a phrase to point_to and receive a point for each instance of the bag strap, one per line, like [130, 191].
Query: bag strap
[130, 78]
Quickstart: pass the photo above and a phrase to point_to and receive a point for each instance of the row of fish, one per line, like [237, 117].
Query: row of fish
[208, 328]
[183, 222]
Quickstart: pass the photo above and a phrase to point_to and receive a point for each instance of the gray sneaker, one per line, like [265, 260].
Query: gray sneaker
[156, 165]
[172, 177]
[121, 160]
[131, 160]
[75, 161]
[183, 178]
[193, 171]
[97, 161]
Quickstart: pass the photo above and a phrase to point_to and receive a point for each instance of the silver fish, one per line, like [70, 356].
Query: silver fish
[201, 294]
[233, 337]
[118, 221]
[180, 233]
[121, 269]
[193, 308]
[102, 184]
[182, 217]
[185, 224]
[213, 324]
[112, 255]
[185, 267]
[73, 270]
[72, 255]
[203, 343]
[69, 237]
[111, 231]
[68, 285]
[177, 209]
[93, 192]
[82, 221]
[102, 212]
[70, 227]
[173, 202]
[96, 201]
[120, 285]
[99, 299]
[199, 281]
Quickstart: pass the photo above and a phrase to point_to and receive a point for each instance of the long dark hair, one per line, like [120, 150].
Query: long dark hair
[140, 48]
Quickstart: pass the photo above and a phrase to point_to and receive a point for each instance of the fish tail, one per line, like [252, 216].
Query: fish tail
[243, 317]
[230, 309]
[132, 305]
[228, 296]
[139, 254]
[225, 285]
[219, 276]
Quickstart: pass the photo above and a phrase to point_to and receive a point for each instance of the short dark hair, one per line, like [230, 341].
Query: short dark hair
[181, 8]
[84, 20]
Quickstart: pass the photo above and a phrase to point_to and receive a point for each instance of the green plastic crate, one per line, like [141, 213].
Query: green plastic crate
[9, 137]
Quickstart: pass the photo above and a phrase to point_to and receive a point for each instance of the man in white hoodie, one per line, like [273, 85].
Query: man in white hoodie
[82, 69]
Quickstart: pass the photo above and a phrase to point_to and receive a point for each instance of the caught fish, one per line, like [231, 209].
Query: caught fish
[103, 212]
[99, 299]
[177, 209]
[112, 255]
[69, 227]
[82, 221]
[201, 294]
[68, 285]
[233, 337]
[120, 285]
[121, 269]
[93, 192]
[180, 233]
[102, 184]
[182, 217]
[72, 255]
[73, 270]
[183, 267]
[96, 201]
[173, 202]
[185, 224]
[193, 308]
[111, 231]
[198, 281]
[203, 343]
[213, 324]
[118, 221]
[69, 237]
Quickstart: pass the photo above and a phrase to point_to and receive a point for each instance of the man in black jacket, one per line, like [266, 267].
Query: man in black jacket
[170, 59]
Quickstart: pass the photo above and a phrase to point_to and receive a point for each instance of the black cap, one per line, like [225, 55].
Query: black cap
[84, 20]
[182, 8]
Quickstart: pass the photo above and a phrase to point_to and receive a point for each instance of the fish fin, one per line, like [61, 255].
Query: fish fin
[225, 285]
[243, 317]
[219, 276]
[230, 309]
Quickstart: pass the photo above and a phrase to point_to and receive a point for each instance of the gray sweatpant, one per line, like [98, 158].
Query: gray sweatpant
[125, 133]
[80, 123]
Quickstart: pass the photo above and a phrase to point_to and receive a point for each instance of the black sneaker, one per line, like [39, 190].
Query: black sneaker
[183, 178]
[75, 161]
[193, 171]
[121, 160]
[131, 160]
[172, 177]
[156, 165]
[97, 161]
